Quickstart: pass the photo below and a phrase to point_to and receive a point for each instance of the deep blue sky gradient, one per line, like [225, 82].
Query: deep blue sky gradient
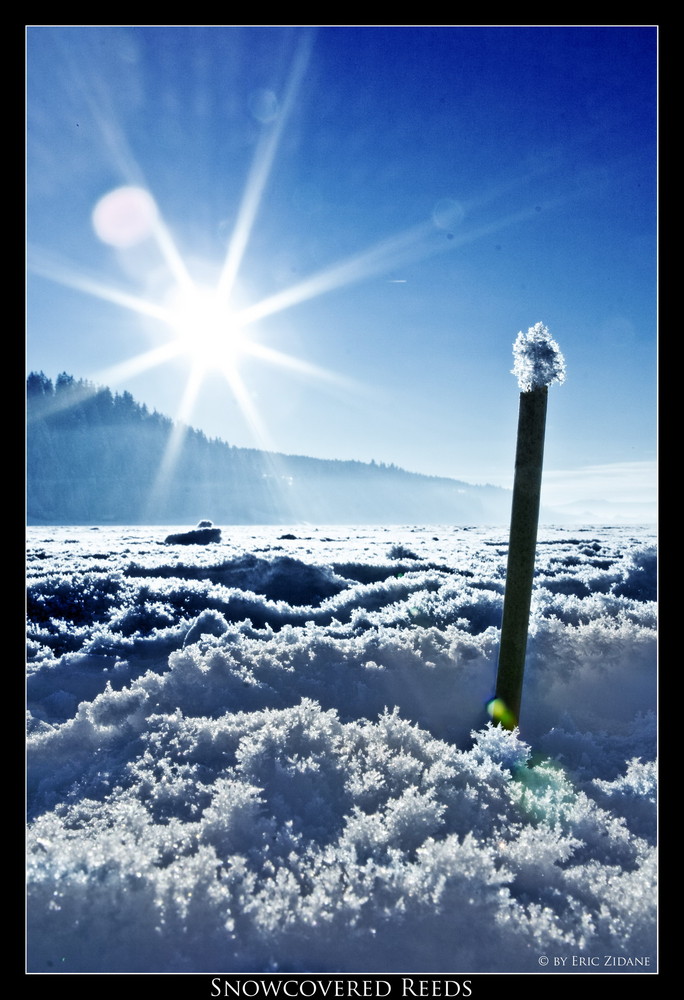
[523, 159]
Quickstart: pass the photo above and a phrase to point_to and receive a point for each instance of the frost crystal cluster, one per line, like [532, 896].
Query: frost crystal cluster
[268, 755]
[538, 360]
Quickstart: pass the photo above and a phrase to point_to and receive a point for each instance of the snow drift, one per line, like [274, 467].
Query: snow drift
[272, 754]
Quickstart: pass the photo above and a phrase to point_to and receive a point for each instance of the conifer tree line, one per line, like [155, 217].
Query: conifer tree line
[94, 457]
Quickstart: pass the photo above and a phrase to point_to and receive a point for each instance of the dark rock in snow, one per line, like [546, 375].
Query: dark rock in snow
[198, 536]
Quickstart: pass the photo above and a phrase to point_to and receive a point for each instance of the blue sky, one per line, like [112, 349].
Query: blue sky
[382, 209]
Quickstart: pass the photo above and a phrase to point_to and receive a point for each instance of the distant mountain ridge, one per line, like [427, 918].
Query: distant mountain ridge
[94, 457]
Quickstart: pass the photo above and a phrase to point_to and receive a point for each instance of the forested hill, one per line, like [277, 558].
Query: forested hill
[97, 457]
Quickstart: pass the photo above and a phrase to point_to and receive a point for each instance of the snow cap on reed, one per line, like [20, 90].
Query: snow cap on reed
[538, 360]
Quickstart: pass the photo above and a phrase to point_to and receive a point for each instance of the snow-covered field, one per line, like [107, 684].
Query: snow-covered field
[272, 754]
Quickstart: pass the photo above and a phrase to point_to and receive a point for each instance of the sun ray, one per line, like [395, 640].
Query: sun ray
[138, 364]
[283, 360]
[170, 253]
[409, 246]
[86, 80]
[248, 409]
[175, 442]
[261, 170]
[383, 256]
[51, 269]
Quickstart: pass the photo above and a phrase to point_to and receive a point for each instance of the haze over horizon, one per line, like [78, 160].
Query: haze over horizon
[377, 211]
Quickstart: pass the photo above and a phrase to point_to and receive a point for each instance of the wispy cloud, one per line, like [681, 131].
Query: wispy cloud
[632, 482]
[617, 491]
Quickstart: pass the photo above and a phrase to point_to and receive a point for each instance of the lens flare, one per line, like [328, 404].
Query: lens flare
[499, 713]
[125, 217]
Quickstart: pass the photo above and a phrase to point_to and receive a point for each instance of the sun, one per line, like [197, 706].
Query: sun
[206, 329]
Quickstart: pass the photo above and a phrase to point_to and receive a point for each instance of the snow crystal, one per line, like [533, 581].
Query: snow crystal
[537, 359]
